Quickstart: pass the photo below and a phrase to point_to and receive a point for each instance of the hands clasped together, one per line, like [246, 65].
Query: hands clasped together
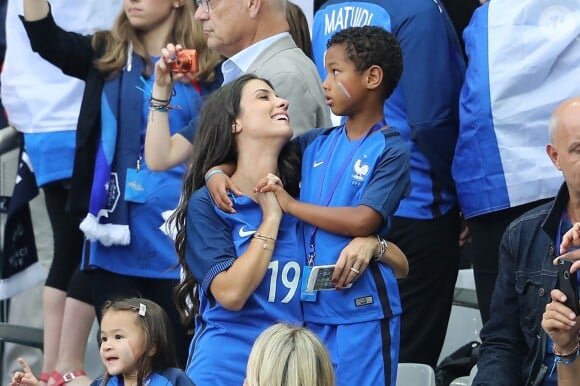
[269, 192]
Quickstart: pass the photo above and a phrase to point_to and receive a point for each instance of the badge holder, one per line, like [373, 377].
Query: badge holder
[135, 184]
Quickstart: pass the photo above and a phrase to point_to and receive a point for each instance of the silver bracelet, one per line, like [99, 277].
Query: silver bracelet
[383, 246]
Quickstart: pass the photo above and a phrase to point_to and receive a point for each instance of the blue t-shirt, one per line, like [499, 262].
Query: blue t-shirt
[52, 154]
[374, 172]
[424, 106]
[223, 339]
[151, 253]
[168, 377]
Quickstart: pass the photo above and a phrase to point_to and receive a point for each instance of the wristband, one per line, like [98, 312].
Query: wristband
[209, 174]
[564, 359]
[382, 249]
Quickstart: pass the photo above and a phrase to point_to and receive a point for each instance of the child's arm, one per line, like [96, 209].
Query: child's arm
[162, 150]
[218, 182]
[396, 259]
[343, 220]
[25, 377]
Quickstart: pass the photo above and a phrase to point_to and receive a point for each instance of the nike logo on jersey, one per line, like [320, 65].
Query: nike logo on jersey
[317, 164]
[245, 233]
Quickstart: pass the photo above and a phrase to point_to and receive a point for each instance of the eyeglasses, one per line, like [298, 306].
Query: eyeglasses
[204, 4]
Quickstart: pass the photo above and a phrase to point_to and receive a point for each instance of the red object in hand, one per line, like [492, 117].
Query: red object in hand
[186, 62]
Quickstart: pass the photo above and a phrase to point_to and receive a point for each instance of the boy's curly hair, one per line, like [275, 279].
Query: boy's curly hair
[369, 45]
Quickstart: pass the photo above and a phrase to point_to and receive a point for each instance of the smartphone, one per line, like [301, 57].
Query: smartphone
[321, 278]
[568, 283]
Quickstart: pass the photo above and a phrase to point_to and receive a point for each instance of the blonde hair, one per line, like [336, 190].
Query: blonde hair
[112, 45]
[286, 355]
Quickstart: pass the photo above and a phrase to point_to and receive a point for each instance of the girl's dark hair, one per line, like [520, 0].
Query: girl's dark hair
[214, 145]
[157, 333]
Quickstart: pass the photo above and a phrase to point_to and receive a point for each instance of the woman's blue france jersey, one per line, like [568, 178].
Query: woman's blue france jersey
[223, 339]
[376, 174]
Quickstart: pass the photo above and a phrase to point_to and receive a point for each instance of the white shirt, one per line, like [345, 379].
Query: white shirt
[37, 96]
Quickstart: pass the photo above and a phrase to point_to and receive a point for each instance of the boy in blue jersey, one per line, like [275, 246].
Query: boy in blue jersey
[353, 178]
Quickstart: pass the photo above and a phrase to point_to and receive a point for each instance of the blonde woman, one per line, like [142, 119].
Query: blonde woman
[286, 355]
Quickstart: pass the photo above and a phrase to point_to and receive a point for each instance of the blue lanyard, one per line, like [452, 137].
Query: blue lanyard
[337, 177]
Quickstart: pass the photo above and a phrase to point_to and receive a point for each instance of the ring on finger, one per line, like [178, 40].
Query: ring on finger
[353, 269]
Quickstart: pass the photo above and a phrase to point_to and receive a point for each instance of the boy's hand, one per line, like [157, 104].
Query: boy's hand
[218, 186]
[25, 377]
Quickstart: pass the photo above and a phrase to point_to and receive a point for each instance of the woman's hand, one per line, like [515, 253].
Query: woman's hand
[270, 208]
[353, 260]
[163, 75]
[273, 183]
[560, 323]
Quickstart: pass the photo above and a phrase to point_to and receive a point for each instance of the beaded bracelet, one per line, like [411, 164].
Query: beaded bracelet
[564, 359]
[161, 105]
[573, 353]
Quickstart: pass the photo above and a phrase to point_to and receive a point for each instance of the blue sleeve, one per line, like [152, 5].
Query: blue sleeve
[391, 178]
[433, 70]
[188, 132]
[307, 138]
[210, 249]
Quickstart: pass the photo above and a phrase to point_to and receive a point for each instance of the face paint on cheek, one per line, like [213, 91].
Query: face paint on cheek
[343, 89]
[128, 352]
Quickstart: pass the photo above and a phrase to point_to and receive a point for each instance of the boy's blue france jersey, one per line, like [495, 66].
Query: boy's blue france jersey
[223, 338]
[424, 105]
[376, 174]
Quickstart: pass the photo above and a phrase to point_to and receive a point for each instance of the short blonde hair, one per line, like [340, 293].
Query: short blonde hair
[286, 355]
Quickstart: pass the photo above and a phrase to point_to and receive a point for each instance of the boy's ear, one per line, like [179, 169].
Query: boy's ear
[152, 351]
[374, 77]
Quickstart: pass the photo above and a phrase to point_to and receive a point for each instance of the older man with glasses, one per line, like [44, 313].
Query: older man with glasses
[254, 36]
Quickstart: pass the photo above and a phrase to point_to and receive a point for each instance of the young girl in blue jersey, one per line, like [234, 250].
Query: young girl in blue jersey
[128, 254]
[136, 346]
[353, 178]
[242, 266]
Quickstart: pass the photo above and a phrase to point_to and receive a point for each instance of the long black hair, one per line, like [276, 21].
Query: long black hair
[214, 145]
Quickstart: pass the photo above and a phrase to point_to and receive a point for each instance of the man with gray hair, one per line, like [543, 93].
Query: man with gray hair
[253, 35]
